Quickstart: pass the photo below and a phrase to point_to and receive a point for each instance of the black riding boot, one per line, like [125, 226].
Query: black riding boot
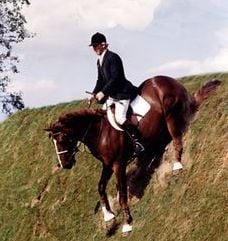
[134, 134]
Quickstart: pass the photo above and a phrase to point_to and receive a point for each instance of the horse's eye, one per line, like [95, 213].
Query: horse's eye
[62, 138]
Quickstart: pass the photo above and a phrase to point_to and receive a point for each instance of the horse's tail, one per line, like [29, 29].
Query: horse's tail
[204, 91]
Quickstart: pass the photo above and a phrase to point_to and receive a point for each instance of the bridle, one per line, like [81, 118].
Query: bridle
[59, 153]
[75, 149]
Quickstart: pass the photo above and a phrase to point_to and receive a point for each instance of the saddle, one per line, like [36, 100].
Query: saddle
[136, 111]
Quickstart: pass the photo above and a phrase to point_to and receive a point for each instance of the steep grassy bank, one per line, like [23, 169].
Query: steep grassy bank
[39, 203]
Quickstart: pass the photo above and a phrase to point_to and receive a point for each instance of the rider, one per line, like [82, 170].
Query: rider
[112, 87]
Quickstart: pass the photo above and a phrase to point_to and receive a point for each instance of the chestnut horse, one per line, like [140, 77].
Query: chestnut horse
[172, 107]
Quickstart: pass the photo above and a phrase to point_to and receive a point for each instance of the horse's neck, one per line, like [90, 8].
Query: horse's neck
[89, 130]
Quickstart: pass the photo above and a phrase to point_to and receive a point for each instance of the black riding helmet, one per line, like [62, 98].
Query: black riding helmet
[97, 38]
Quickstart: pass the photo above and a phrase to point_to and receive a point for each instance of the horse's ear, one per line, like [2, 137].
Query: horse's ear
[49, 130]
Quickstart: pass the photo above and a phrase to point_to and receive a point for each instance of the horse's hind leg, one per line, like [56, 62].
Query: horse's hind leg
[120, 172]
[176, 132]
[105, 176]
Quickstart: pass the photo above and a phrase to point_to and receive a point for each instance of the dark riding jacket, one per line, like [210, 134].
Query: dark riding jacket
[111, 78]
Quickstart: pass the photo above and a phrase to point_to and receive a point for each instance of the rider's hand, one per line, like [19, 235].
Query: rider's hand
[91, 99]
[100, 95]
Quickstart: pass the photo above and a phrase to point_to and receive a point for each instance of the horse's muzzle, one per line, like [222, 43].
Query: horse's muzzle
[68, 165]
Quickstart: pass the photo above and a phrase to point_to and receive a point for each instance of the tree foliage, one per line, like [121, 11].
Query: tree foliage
[12, 31]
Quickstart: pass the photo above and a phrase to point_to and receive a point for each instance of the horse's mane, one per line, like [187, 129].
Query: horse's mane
[71, 118]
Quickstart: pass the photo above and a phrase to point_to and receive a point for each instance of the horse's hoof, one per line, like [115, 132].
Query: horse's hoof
[177, 166]
[111, 227]
[126, 228]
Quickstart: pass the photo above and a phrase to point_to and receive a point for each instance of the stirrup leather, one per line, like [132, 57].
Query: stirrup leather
[138, 148]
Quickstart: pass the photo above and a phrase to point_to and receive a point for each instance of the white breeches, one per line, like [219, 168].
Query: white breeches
[121, 107]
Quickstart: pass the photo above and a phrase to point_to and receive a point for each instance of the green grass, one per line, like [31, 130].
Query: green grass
[38, 204]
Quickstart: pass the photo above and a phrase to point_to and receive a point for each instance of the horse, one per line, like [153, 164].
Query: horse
[172, 108]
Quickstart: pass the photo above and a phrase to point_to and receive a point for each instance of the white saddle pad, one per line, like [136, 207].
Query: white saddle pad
[139, 106]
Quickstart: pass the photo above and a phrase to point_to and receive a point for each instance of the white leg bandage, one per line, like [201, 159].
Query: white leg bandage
[107, 215]
[126, 228]
[177, 166]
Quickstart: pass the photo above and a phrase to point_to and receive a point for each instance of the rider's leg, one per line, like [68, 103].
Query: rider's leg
[135, 135]
[120, 114]
[121, 107]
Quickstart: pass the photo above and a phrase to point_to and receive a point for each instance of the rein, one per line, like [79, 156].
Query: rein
[84, 137]
[82, 142]
[86, 132]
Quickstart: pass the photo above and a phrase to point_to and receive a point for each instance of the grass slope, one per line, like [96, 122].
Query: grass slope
[40, 204]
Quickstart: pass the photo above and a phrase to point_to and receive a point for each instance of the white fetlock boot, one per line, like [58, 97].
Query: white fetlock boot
[177, 166]
[107, 214]
[126, 228]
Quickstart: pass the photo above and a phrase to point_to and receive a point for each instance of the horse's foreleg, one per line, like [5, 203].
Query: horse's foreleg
[120, 172]
[105, 176]
[178, 147]
[176, 134]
